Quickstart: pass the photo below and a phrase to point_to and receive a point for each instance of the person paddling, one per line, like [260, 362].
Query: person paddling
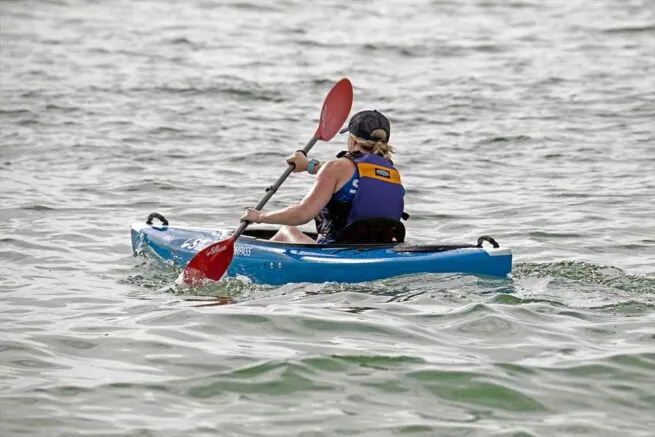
[361, 183]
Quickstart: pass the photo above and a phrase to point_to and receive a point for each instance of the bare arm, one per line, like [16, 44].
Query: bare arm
[311, 205]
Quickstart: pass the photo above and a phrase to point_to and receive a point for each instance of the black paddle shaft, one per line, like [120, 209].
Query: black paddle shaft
[273, 188]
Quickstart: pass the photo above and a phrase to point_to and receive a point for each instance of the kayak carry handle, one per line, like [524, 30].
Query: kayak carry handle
[488, 239]
[158, 216]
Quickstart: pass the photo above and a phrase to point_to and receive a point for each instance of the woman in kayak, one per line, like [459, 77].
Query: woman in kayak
[360, 183]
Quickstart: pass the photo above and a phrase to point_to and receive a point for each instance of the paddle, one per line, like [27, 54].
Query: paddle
[213, 261]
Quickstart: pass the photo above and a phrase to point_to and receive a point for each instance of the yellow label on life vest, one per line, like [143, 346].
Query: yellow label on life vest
[386, 174]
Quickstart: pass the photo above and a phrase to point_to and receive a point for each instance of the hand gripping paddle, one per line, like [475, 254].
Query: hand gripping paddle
[213, 261]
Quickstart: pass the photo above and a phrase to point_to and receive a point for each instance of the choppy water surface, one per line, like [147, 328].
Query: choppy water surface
[530, 121]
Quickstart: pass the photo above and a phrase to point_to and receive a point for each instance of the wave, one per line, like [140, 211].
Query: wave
[646, 28]
[243, 92]
[587, 273]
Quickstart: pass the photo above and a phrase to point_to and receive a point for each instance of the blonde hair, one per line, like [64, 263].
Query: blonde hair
[379, 147]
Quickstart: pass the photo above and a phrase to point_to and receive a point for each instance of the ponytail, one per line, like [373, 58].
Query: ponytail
[379, 147]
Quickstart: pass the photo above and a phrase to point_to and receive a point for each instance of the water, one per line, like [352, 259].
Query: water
[533, 122]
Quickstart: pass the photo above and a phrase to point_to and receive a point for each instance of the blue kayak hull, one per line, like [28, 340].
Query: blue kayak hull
[266, 262]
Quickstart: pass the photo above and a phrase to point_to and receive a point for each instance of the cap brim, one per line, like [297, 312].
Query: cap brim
[344, 130]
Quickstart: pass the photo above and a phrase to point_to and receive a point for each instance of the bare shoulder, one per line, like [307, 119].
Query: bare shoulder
[337, 166]
[336, 172]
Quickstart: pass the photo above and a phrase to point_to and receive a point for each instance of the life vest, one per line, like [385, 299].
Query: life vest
[379, 194]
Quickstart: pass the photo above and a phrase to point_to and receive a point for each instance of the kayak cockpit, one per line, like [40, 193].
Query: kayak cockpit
[265, 234]
[364, 231]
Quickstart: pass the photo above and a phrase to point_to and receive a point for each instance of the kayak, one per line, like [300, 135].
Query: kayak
[275, 263]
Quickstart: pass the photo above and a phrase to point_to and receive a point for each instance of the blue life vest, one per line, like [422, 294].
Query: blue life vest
[374, 191]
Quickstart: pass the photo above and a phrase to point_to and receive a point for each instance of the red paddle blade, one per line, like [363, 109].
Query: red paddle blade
[210, 263]
[336, 108]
